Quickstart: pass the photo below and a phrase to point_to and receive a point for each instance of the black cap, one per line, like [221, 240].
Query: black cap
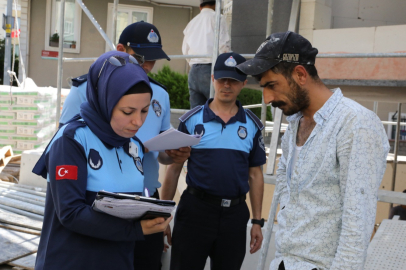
[205, 1]
[225, 67]
[144, 39]
[280, 47]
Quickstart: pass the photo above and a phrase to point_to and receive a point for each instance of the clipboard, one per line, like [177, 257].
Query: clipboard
[101, 194]
[129, 206]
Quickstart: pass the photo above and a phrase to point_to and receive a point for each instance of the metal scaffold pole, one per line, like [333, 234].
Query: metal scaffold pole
[7, 47]
[216, 43]
[60, 62]
[396, 147]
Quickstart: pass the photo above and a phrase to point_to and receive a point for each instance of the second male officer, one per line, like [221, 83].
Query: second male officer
[143, 41]
[211, 219]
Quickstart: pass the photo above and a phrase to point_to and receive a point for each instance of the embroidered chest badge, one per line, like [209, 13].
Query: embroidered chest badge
[94, 159]
[242, 132]
[138, 164]
[230, 62]
[199, 130]
[156, 107]
[153, 37]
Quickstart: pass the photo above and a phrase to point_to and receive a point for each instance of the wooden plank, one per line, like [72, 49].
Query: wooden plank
[27, 262]
[6, 154]
[19, 220]
[15, 245]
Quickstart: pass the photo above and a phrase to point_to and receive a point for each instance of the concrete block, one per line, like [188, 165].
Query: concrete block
[308, 34]
[390, 39]
[345, 8]
[28, 160]
[349, 40]
[343, 22]
[379, 10]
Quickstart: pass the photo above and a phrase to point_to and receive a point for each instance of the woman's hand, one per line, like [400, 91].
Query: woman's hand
[150, 226]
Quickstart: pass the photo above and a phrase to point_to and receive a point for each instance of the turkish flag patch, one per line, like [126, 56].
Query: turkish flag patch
[66, 172]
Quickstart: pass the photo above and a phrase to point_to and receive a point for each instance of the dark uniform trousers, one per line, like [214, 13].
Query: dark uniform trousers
[204, 230]
[282, 267]
[148, 253]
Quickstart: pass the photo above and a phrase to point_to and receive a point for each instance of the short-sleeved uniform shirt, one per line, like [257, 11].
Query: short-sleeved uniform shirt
[78, 165]
[219, 164]
[157, 121]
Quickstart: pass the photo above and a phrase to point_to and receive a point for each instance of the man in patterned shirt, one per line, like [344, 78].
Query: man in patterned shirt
[333, 161]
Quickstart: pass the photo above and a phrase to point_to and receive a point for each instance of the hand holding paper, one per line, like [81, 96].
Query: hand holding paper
[171, 139]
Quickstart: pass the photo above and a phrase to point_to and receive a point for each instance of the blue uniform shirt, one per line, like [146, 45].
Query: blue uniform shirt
[79, 165]
[220, 163]
[158, 120]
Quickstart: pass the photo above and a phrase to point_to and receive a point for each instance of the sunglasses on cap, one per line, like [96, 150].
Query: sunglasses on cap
[119, 61]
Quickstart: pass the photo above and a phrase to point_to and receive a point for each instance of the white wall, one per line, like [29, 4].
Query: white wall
[367, 13]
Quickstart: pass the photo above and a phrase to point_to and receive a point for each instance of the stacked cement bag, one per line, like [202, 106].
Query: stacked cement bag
[27, 117]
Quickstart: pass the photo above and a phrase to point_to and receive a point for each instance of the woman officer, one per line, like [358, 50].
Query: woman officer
[97, 150]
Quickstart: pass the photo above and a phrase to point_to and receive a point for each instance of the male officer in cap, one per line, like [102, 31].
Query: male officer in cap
[333, 161]
[211, 219]
[199, 39]
[143, 41]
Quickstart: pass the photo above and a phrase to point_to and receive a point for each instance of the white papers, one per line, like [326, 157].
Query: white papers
[171, 139]
[127, 208]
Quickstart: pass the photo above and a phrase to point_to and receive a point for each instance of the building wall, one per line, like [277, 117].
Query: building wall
[169, 21]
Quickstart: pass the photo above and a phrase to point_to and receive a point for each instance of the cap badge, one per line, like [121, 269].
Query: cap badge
[242, 132]
[290, 57]
[230, 62]
[128, 43]
[157, 107]
[153, 37]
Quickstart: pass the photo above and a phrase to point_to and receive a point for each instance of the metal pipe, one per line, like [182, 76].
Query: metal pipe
[269, 21]
[216, 43]
[360, 55]
[376, 107]
[25, 186]
[395, 158]
[96, 24]
[114, 32]
[7, 43]
[21, 212]
[91, 59]
[23, 199]
[393, 123]
[31, 197]
[60, 62]
[25, 190]
[22, 205]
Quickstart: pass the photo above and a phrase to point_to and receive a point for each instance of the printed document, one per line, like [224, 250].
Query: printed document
[171, 139]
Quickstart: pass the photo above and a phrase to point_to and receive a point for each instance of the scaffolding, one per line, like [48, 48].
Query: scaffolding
[269, 177]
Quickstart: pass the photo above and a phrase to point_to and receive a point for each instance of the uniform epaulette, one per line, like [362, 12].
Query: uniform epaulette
[187, 115]
[157, 83]
[79, 80]
[254, 118]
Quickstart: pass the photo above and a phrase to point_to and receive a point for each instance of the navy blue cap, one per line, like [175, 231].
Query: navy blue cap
[280, 47]
[144, 39]
[225, 67]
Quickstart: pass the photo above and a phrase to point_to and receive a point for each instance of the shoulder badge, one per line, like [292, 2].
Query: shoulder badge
[79, 80]
[187, 115]
[254, 118]
[199, 130]
[157, 83]
[94, 159]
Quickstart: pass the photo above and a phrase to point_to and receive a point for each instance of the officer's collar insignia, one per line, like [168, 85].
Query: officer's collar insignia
[242, 132]
[128, 44]
[138, 164]
[156, 107]
[133, 149]
[199, 130]
[94, 159]
[230, 62]
[153, 37]
[261, 142]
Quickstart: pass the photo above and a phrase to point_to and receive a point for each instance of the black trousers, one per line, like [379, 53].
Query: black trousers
[282, 266]
[204, 230]
[148, 253]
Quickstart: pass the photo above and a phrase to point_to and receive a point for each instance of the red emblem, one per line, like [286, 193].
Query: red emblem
[66, 172]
